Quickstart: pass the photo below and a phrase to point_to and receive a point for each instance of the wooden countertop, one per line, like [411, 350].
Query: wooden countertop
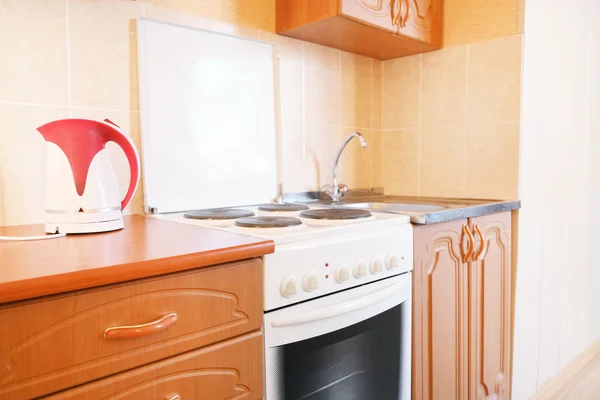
[146, 247]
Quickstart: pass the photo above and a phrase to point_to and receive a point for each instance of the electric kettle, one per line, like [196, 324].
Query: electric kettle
[82, 195]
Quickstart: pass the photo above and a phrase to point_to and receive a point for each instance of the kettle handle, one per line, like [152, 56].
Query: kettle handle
[125, 143]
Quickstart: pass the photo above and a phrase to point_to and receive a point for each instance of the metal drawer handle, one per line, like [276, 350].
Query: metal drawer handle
[135, 331]
[471, 244]
[481, 242]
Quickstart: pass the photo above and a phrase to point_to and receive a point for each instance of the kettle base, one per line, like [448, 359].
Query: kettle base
[90, 227]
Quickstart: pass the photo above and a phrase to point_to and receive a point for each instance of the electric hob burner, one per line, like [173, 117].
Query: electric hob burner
[283, 207]
[267, 222]
[219, 214]
[335, 214]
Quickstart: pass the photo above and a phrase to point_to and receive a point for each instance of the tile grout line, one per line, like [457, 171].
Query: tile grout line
[68, 45]
[371, 125]
[303, 95]
[420, 127]
[382, 180]
[468, 123]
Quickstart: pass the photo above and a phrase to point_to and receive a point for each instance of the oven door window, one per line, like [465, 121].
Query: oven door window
[359, 362]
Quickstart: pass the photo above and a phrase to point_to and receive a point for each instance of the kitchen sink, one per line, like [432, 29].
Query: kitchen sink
[397, 207]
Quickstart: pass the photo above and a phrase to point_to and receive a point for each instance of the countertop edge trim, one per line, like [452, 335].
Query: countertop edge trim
[28, 289]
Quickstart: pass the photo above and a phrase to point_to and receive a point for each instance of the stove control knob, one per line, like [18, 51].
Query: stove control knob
[391, 262]
[376, 266]
[360, 269]
[309, 282]
[287, 288]
[342, 275]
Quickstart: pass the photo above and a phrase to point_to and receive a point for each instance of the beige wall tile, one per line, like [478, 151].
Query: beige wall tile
[376, 95]
[400, 161]
[400, 89]
[290, 82]
[493, 154]
[356, 90]
[129, 123]
[257, 14]
[23, 162]
[495, 80]
[321, 85]
[444, 161]
[321, 145]
[33, 52]
[444, 87]
[356, 164]
[159, 12]
[291, 159]
[103, 54]
[376, 154]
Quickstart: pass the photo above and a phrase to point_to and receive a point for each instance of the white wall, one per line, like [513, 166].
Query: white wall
[558, 280]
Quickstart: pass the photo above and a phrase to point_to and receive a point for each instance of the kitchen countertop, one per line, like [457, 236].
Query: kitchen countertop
[146, 247]
[452, 208]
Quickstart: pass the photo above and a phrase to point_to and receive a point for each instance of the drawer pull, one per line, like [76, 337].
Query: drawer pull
[135, 331]
[174, 397]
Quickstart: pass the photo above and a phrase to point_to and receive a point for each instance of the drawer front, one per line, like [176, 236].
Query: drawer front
[56, 343]
[227, 370]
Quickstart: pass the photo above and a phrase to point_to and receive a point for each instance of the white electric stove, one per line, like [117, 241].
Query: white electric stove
[337, 289]
[318, 250]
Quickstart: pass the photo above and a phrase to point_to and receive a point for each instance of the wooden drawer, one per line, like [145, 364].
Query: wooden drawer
[227, 370]
[56, 343]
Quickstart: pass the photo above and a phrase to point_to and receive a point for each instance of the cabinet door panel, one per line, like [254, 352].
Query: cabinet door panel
[373, 12]
[440, 308]
[419, 19]
[490, 309]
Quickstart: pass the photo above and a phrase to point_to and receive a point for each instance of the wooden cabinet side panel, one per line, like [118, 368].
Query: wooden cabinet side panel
[294, 13]
[439, 313]
[66, 331]
[490, 310]
[228, 370]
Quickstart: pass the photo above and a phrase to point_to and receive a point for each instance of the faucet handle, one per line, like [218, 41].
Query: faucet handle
[328, 190]
[342, 189]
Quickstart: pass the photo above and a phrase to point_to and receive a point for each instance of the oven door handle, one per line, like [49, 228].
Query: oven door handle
[335, 310]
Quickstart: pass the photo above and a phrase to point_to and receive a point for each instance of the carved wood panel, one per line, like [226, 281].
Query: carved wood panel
[440, 313]
[231, 370]
[373, 12]
[490, 310]
[58, 342]
[420, 19]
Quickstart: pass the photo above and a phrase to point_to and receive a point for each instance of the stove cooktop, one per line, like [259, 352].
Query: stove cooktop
[289, 226]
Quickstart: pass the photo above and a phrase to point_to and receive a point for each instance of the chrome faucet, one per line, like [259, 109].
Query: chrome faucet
[334, 190]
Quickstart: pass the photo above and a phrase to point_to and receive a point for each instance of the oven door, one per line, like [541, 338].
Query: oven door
[354, 344]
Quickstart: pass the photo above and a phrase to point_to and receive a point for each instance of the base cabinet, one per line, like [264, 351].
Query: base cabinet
[227, 370]
[461, 309]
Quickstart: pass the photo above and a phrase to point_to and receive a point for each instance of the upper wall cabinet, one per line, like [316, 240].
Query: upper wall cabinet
[380, 29]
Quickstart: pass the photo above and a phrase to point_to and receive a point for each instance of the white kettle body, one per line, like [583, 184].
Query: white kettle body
[82, 194]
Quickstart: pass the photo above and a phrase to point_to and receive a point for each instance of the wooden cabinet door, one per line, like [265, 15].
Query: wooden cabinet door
[439, 313]
[490, 308]
[373, 12]
[232, 369]
[419, 19]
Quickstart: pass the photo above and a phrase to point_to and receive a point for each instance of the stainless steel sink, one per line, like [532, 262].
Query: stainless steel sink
[397, 207]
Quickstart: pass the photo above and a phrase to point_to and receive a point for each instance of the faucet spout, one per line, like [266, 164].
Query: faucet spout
[336, 191]
[363, 144]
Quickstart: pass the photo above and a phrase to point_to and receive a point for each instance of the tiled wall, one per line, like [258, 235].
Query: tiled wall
[77, 58]
[450, 121]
